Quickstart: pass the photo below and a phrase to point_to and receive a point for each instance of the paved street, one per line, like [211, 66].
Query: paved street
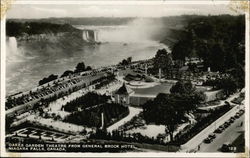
[229, 135]
[196, 140]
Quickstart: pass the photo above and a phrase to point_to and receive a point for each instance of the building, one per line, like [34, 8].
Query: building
[122, 95]
[193, 60]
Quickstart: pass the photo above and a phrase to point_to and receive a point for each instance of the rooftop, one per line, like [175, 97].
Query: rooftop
[124, 90]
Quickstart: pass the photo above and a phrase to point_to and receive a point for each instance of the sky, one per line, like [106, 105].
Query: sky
[36, 11]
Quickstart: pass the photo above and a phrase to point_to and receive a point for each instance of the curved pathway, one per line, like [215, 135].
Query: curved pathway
[132, 112]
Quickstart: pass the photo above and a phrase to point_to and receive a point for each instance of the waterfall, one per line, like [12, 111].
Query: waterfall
[90, 35]
[13, 54]
[96, 35]
[12, 46]
[87, 33]
[84, 36]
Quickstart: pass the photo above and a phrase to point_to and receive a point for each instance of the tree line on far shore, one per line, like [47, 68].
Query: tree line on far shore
[16, 29]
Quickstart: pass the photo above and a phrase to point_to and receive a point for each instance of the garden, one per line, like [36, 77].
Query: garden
[89, 110]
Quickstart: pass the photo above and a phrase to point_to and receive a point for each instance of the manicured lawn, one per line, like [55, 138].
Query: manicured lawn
[162, 88]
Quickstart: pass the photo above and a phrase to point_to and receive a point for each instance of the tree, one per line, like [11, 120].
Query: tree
[88, 68]
[199, 97]
[80, 67]
[57, 117]
[182, 87]
[163, 59]
[218, 58]
[193, 67]
[238, 74]
[129, 60]
[67, 73]
[202, 49]
[163, 110]
[229, 85]
[124, 62]
[170, 109]
[186, 95]
[181, 50]
[206, 36]
[48, 79]
[20, 28]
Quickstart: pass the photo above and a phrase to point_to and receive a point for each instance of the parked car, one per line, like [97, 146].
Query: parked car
[227, 103]
[231, 120]
[212, 136]
[226, 147]
[218, 130]
[208, 140]
[241, 111]
[221, 127]
[237, 115]
[225, 125]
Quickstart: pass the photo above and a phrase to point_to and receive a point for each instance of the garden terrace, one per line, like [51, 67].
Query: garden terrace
[92, 117]
[86, 101]
[87, 109]
[136, 121]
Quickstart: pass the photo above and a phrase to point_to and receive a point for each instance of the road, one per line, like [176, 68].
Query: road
[229, 135]
[193, 143]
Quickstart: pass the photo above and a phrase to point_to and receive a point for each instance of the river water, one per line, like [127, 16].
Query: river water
[23, 70]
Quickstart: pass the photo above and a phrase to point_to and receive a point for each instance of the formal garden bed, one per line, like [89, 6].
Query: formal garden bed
[88, 109]
[136, 122]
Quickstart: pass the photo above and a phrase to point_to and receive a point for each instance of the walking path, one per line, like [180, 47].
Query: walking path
[143, 95]
[57, 125]
[108, 89]
[56, 106]
[132, 112]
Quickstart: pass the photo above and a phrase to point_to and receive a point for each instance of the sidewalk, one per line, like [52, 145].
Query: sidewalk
[132, 112]
[57, 125]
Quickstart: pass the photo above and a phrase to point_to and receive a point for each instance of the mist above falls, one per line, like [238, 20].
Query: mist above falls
[14, 54]
[137, 31]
